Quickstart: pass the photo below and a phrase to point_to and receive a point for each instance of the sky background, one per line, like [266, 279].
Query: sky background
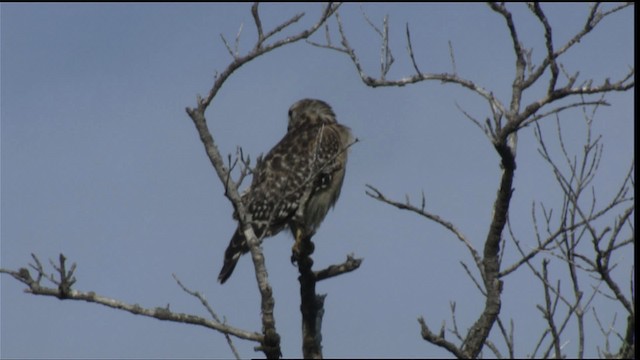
[101, 162]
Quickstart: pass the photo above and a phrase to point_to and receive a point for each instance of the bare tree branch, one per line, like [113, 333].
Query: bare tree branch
[455, 331]
[65, 292]
[376, 194]
[537, 10]
[548, 311]
[311, 305]
[480, 330]
[453, 59]
[205, 303]
[516, 88]
[473, 278]
[577, 224]
[438, 340]
[334, 270]
[411, 55]
[508, 337]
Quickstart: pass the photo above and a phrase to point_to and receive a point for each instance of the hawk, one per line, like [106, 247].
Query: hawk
[297, 182]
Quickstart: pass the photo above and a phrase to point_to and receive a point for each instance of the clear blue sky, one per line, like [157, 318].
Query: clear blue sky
[101, 162]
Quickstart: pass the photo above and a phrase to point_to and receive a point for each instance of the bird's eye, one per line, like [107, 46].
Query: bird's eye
[290, 112]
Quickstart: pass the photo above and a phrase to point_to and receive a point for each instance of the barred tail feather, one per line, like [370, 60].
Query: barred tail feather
[237, 246]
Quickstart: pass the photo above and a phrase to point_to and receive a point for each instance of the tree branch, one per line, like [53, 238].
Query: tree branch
[376, 194]
[205, 303]
[65, 292]
[551, 56]
[335, 270]
[439, 339]
[480, 330]
[311, 305]
[516, 88]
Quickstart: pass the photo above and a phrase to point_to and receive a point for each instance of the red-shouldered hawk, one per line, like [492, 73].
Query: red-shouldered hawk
[297, 182]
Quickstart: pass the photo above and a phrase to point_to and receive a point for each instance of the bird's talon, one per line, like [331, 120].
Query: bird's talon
[295, 253]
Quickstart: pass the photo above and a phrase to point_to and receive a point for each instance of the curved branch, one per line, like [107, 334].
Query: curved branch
[438, 339]
[205, 303]
[480, 330]
[259, 48]
[548, 36]
[335, 270]
[376, 194]
[517, 88]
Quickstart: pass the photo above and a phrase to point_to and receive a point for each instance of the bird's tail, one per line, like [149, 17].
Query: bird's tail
[237, 246]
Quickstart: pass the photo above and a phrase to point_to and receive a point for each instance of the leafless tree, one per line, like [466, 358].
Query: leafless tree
[311, 303]
[578, 237]
[564, 236]
[575, 237]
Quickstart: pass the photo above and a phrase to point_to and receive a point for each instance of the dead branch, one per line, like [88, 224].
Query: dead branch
[64, 291]
[213, 314]
[311, 304]
[576, 225]
[335, 270]
[439, 339]
[376, 194]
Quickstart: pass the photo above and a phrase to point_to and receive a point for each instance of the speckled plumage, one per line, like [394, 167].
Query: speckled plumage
[298, 181]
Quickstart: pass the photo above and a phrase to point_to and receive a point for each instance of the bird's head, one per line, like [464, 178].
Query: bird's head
[310, 112]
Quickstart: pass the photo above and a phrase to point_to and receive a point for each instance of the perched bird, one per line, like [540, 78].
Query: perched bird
[297, 182]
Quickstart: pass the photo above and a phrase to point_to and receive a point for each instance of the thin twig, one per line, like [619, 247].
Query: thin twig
[206, 305]
[376, 194]
[410, 49]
